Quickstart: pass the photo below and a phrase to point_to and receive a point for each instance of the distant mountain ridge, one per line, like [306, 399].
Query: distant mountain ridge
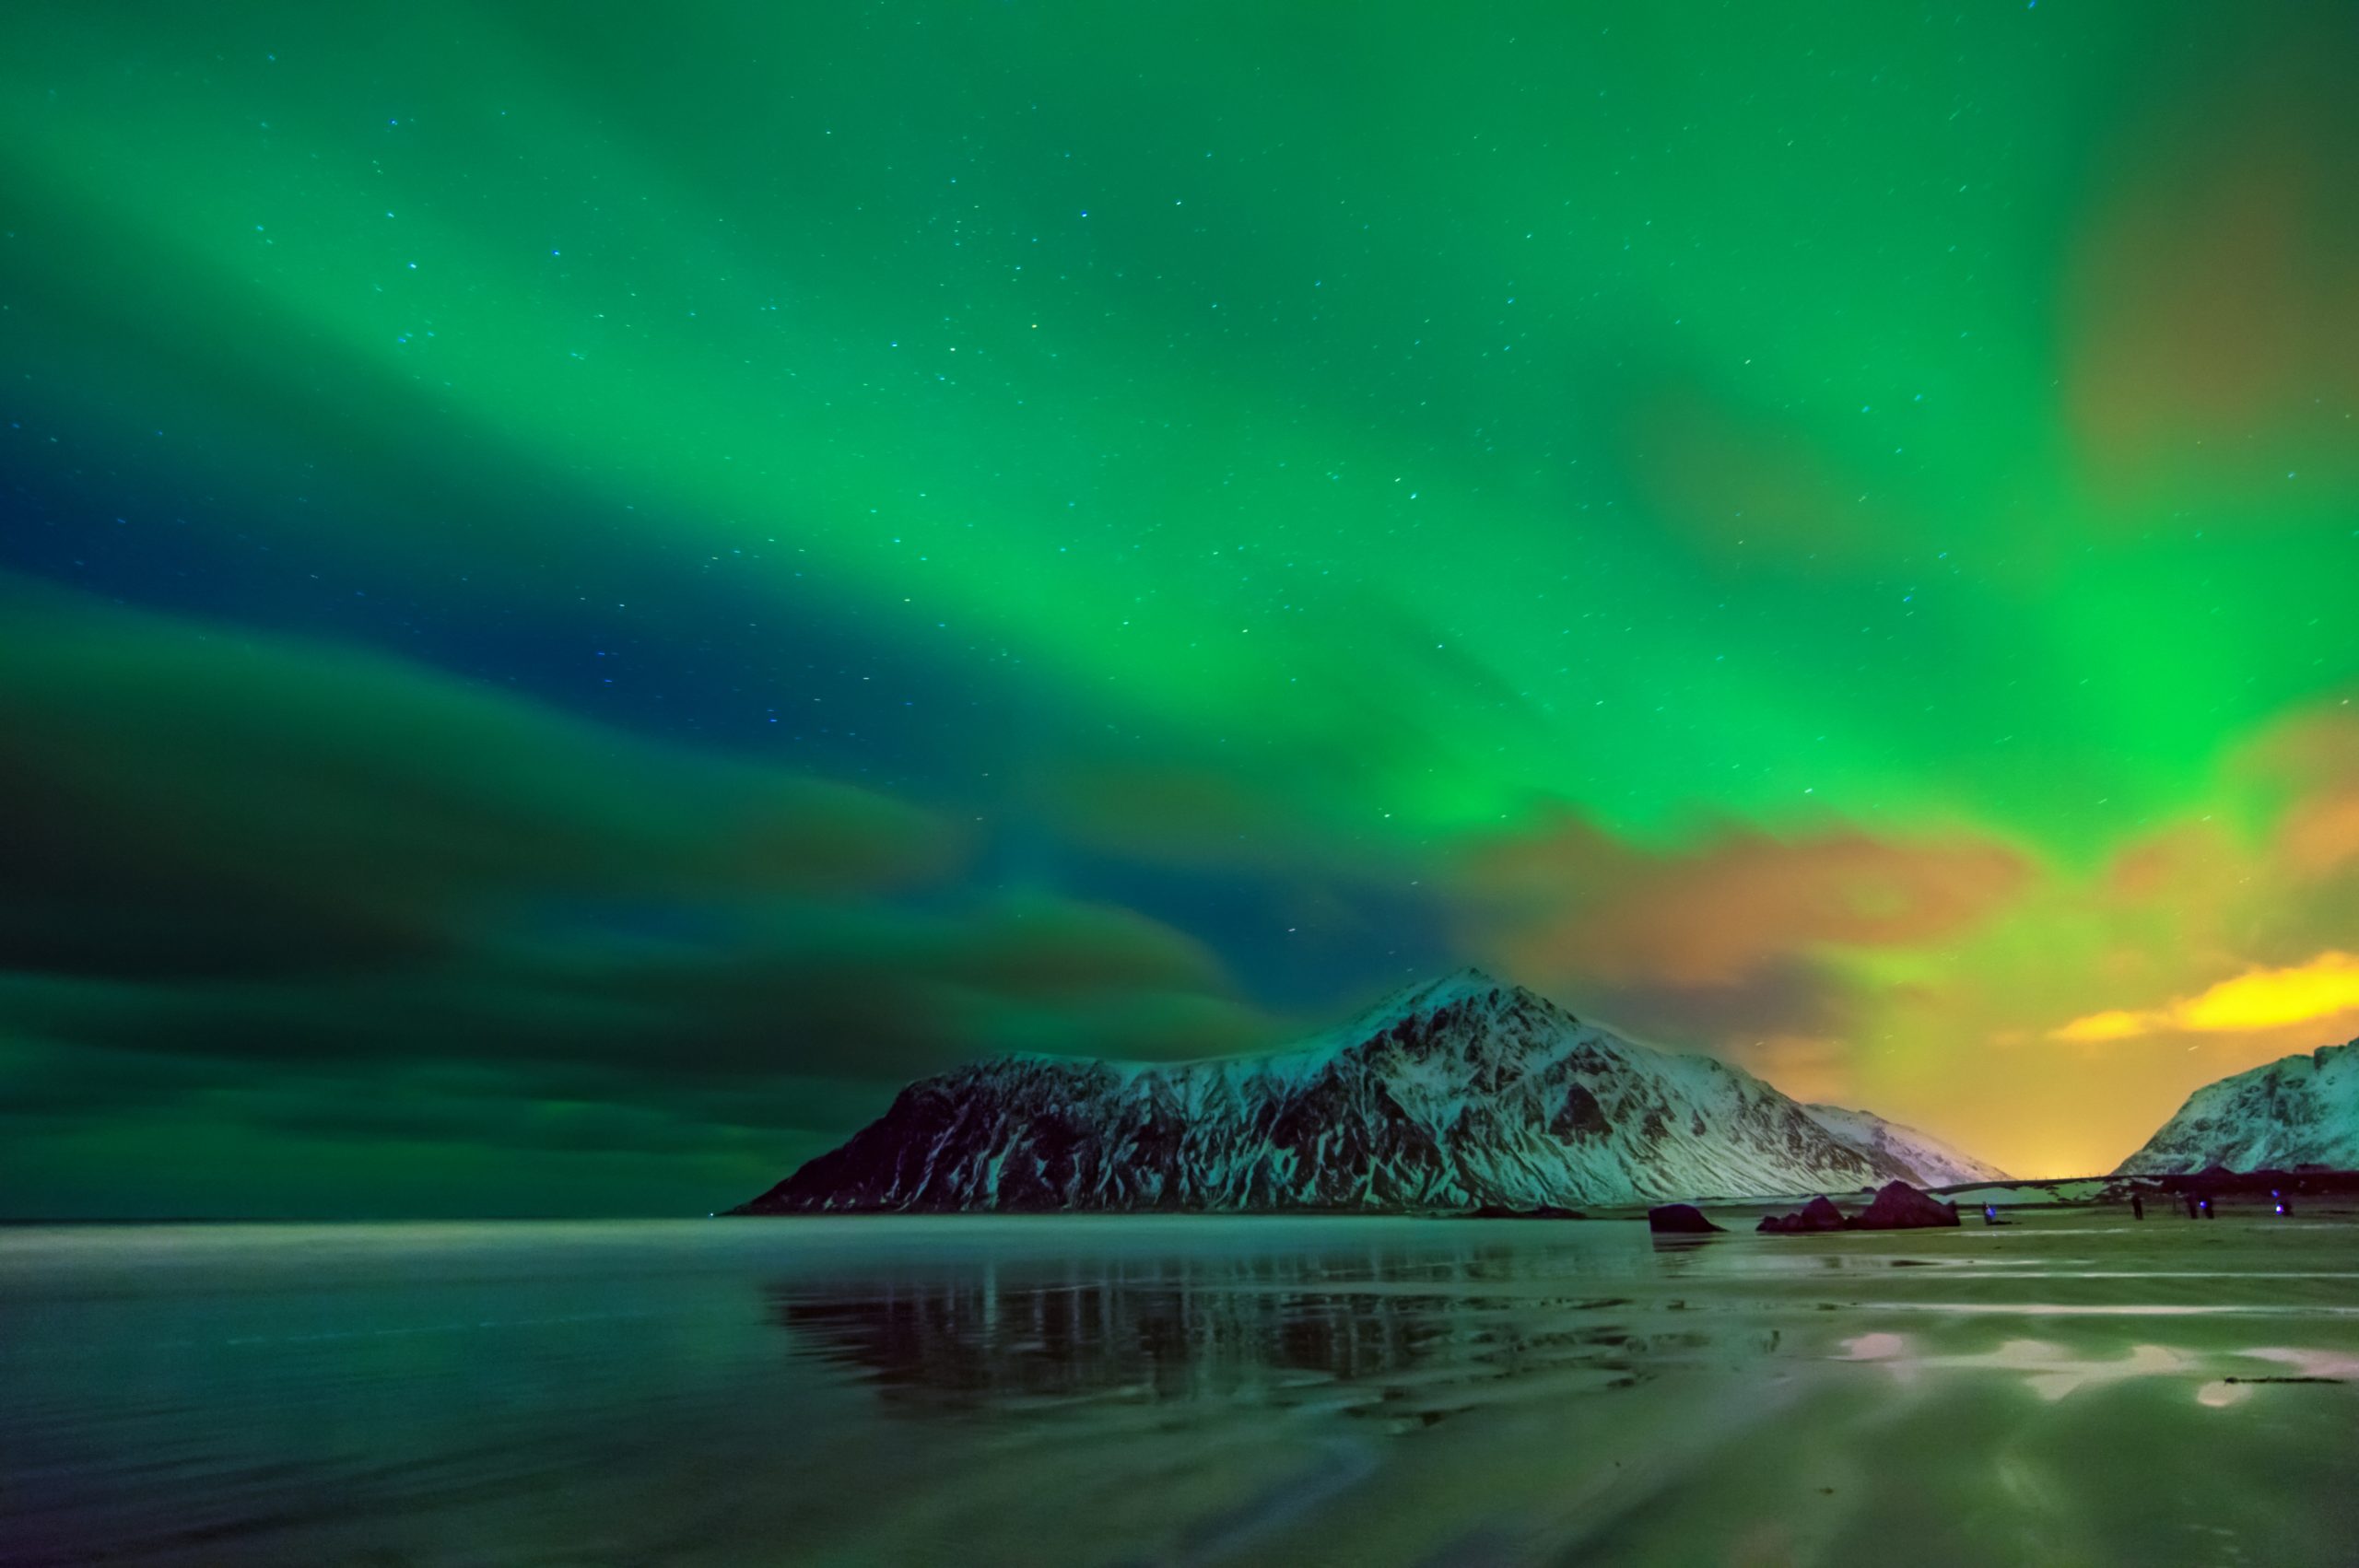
[2297, 1110]
[1912, 1156]
[1452, 1094]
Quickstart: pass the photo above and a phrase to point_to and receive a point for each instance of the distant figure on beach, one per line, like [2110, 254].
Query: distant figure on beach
[2207, 1209]
[1989, 1214]
[2137, 1207]
[2284, 1204]
[2192, 1213]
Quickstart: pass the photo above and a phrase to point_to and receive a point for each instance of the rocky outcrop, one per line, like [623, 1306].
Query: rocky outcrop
[1900, 1206]
[1679, 1219]
[1896, 1206]
[1817, 1215]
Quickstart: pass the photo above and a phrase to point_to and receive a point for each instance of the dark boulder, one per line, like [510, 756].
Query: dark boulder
[1900, 1206]
[1818, 1215]
[1680, 1219]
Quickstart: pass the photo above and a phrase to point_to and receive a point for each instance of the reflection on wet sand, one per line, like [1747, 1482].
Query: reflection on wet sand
[2070, 1389]
[2057, 1395]
[1350, 1335]
[2050, 1371]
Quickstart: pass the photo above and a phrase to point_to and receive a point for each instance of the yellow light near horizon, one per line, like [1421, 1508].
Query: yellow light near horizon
[2116, 1024]
[2267, 998]
[2263, 999]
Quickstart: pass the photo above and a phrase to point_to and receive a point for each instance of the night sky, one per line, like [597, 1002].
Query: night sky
[586, 590]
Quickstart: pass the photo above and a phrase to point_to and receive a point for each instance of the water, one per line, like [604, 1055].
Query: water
[2067, 1390]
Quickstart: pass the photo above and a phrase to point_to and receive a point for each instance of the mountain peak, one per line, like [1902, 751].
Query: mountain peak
[1455, 986]
[1452, 1093]
[1469, 984]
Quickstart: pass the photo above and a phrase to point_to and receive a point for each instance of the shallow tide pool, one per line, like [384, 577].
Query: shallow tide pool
[2077, 1388]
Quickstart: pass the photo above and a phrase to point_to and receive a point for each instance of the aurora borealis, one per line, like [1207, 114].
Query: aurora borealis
[589, 589]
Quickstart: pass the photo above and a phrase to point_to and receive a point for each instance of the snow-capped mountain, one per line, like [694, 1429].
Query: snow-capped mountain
[1454, 1094]
[2297, 1110]
[1917, 1158]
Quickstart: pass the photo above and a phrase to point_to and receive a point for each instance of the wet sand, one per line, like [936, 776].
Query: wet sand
[2077, 1388]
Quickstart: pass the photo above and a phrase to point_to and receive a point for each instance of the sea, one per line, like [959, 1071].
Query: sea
[2076, 1387]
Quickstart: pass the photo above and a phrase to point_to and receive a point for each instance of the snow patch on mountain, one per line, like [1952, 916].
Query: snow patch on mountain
[1458, 1093]
[2298, 1110]
[1907, 1154]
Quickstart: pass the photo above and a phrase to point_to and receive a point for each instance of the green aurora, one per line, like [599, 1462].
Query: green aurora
[589, 588]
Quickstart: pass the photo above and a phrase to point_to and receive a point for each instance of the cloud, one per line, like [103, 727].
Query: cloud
[1570, 899]
[1728, 472]
[2261, 998]
[879, 994]
[2113, 1025]
[260, 884]
[1804, 959]
[2263, 877]
[2212, 292]
[184, 800]
[738, 1057]
[2312, 758]
[1786, 994]
[1810, 1068]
